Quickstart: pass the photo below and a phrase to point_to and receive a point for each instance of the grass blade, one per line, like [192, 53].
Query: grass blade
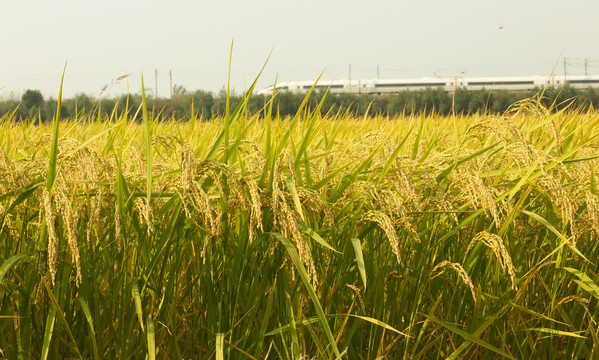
[558, 332]
[552, 228]
[137, 301]
[295, 197]
[220, 354]
[90, 321]
[54, 149]
[61, 316]
[9, 263]
[306, 229]
[359, 259]
[584, 281]
[469, 337]
[304, 275]
[148, 135]
[151, 340]
[49, 330]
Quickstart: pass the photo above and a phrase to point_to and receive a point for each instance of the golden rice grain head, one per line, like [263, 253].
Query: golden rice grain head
[582, 302]
[134, 161]
[406, 223]
[495, 244]
[94, 215]
[388, 201]
[201, 202]
[144, 213]
[592, 212]
[387, 226]
[404, 185]
[255, 206]
[277, 193]
[253, 159]
[477, 193]
[205, 244]
[70, 219]
[438, 269]
[118, 231]
[313, 201]
[358, 295]
[188, 168]
[560, 197]
[52, 240]
[288, 226]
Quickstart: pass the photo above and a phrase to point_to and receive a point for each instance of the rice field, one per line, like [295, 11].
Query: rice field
[306, 237]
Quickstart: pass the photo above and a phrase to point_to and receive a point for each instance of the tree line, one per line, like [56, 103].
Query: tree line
[206, 105]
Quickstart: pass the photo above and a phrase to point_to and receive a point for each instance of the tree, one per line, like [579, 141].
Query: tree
[32, 101]
[203, 102]
[179, 90]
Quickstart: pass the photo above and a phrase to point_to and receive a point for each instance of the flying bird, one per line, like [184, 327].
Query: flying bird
[501, 27]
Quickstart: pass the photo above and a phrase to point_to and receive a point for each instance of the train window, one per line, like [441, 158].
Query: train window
[484, 83]
[410, 85]
[584, 81]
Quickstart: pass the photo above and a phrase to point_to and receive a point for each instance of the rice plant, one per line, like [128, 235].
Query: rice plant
[316, 236]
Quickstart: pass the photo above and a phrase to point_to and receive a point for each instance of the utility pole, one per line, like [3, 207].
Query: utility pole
[155, 83]
[170, 75]
[565, 69]
[350, 78]
[586, 66]
[377, 72]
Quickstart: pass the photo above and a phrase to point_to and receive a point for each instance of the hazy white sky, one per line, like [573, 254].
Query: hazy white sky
[102, 40]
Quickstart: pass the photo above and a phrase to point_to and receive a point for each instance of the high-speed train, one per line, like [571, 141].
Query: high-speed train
[380, 86]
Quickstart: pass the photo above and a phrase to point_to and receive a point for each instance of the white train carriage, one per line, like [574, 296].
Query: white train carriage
[579, 82]
[508, 83]
[395, 86]
[378, 86]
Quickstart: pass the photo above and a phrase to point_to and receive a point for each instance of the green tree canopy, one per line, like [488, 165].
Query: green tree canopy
[32, 99]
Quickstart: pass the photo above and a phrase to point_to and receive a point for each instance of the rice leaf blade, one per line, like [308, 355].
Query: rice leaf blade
[359, 259]
[314, 235]
[151, 339]
[469, 337]
[584, 281]
[90, 321]
[304, 275]
[137, 302]
[220, 337]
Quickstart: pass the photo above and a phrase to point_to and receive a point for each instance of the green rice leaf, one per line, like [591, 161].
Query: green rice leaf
[305, 279]
[61, 317]
[376, 322]
[559, 332]
[359, 259]
[584, 281]
[555, 231]
[148, 141]
[394, 156]
[9, 263]
[49, 330]
[463, 160]
[295, 197]
[469, 337]
[151, 339]
[220, 344]
[137, 301]
[293, 329]
[25, 194]
[285, 328]
[416, 144]
[54, 149]
[90, 321]
[306, 229]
